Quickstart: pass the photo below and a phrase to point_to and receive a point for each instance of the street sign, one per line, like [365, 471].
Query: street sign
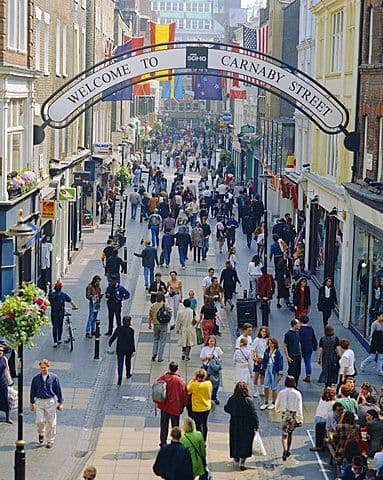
[226, 117]
[245, 129]
[67, 194]
[103, 148]
[48, 209]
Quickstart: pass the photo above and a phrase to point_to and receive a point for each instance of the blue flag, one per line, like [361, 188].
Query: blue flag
[173, 88]
[207, 87]
[110, 94]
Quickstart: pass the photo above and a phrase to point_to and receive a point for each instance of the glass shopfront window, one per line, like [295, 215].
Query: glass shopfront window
[367, 282]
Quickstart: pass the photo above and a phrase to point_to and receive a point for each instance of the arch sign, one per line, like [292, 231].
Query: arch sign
[251, 67]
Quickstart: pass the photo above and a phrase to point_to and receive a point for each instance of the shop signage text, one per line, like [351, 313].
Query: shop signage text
[67, 194]
[103, 148]
[48, 209]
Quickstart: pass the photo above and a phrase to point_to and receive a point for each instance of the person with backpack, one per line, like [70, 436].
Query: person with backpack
[125, 347]
[159, 317]
[154, 225]
[169, 393]
[57, 299]
[115, 294]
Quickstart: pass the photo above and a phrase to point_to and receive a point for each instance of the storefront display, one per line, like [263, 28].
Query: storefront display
[367, 276]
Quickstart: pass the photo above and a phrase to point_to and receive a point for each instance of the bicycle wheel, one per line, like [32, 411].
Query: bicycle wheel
[70, 338]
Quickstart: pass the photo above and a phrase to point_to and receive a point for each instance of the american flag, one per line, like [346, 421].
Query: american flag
[249, 37]
[263, 39]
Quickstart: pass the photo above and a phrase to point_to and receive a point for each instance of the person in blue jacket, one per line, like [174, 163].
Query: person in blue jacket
[167, 244]
[272, 365]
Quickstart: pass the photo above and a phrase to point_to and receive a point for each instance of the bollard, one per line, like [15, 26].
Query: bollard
[125, 260]
[97, 341]
[265, 313]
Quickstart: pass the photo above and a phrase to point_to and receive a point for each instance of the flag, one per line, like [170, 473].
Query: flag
[108, 49]
[235, 91]
[143, 88]
[249, 37]
[207, 87]
[110, 95]
[162, 34]
[173, 88]
[263, 39]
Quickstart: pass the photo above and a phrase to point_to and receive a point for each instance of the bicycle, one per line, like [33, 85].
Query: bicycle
[70, 329]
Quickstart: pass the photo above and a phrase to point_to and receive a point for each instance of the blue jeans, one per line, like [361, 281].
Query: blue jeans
[374, 357]
[307, 360]
[160, 333]
[167, 252]
[193, 219]
[133, 210]
[182, 251]
[155, 230]
[205, 246]
[148, 276]
[215, 389]
[92, 316]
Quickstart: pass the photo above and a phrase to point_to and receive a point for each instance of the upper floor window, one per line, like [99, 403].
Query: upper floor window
[370, 35]
[200, 7]
[337, 41]
[17, 24]
[380, 149]
[15, 134]
[332, 155]
[207, 7]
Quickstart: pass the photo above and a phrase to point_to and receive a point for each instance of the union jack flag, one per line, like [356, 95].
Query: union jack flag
[108, 49]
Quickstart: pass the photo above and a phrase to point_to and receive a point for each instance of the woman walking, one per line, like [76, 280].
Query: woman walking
[272, 364]
[243, 362]
[200, 390]
[283, 277]
[186, 330]
[229, 279]
[194, 442]
[209, 314]
[328, 357]
[309, 344]
[196, 241]
[289, 404]
[243, 424]
[4, 382]
[301, 298]
[327, 300]
[259, 346]
[346, 362]
[254, 271]
[125, 347]
[323, 410]
[376, 346]
[221, 232]
[94, 295]
[211, 356]
[232, 257]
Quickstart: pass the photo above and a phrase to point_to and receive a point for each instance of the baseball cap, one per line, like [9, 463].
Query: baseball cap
[58, 285]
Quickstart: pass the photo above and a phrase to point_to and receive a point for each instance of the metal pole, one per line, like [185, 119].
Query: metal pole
[20, 443]
[125, 260]
[97, 340]
[265, 309]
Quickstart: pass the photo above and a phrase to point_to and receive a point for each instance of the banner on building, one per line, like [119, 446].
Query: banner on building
[48, 209]
[162, 33]
[67, 194]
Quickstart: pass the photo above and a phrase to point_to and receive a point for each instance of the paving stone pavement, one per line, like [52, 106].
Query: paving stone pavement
[116, 428]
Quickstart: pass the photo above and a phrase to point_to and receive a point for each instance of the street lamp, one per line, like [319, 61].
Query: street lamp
[20, 232]
[264, 178]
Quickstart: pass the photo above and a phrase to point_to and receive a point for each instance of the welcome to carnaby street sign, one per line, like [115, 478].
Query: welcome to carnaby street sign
[256, 68]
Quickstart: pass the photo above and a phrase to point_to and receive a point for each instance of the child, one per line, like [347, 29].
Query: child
[193, 301]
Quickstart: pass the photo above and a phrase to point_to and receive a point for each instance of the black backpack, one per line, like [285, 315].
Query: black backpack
[163, 315]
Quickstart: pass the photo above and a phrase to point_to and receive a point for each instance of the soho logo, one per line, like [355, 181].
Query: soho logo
[193, 57]
[196, 57]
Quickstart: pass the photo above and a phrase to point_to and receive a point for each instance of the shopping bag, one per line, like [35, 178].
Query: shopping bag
[13, 398]
[199, 335]
[258, 447]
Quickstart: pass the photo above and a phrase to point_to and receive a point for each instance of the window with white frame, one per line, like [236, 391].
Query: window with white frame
[207, 24]
[180, 7]
[58, 49]
[370, 35]
[332, 155]
[46, 43]
[154, 6]
[16, 134]
[207, 7]
[200, 7]
[188, 24]
[194, 7]
[188, 7]
[380, 150]
[64, 51]
[365, 146]
[76, 49]
[37, 44]
[83, 48]
[17, 25]
[337, 31]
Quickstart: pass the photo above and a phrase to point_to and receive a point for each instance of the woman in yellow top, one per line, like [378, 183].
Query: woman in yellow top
[200, 390]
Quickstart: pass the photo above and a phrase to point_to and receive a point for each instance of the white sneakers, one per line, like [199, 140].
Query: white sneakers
[268, 406]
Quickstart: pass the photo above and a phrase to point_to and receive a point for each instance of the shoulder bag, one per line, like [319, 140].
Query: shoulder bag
[207, 474]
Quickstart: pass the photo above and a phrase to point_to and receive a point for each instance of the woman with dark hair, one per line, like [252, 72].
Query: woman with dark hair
[309, 344]
[374, 430]
[211, 356]
[243, 424]
[259, 346]
[301, 298]
[328, 357]
[289, 404]
[272, 364]
[94, 295]
[327, 300]
[125, 347]
[283, 276]
[254, 271]
[185, 329]
[323, 410]
[4, 382]
[229, 279]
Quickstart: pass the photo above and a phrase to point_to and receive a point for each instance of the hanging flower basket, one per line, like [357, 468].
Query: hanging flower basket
[23, 315]
[124, 176]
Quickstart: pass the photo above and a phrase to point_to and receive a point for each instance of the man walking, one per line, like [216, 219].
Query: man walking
[154, 225]
[57, 298]
[292, 348]
[134, 199]
[149, 259]
[205, 239]
[173, 461]
[159, 318]
[125, 347]
[176, 400]
[115, 294]
[45, 389]
[158, 286]
[114, 266]
[183, 241]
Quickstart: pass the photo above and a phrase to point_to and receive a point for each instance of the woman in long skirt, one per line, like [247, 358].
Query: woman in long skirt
[243, 424]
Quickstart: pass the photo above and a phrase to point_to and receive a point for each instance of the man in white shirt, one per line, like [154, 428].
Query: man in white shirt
[289, 404]
[247, 330]
[207, 280]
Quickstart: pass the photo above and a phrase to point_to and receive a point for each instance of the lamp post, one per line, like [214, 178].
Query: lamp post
[20, 231]
[265, 177]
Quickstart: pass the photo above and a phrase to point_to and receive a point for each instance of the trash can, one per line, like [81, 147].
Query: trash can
[246, 312]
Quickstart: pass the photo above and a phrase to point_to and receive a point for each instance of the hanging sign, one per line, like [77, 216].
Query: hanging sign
[48, 209]
[67, 194]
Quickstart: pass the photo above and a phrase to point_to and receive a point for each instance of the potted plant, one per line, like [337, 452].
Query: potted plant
[124, 176]
[23, 315]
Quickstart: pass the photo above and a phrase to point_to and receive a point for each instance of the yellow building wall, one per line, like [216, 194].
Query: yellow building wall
[342, 84]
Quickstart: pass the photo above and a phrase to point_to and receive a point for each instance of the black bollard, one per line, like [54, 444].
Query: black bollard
[97, 341]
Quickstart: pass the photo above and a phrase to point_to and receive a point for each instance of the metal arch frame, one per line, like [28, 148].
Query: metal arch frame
[227, 47]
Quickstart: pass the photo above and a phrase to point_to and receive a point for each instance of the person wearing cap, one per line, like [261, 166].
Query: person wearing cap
[115, 294]
[57, 298]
